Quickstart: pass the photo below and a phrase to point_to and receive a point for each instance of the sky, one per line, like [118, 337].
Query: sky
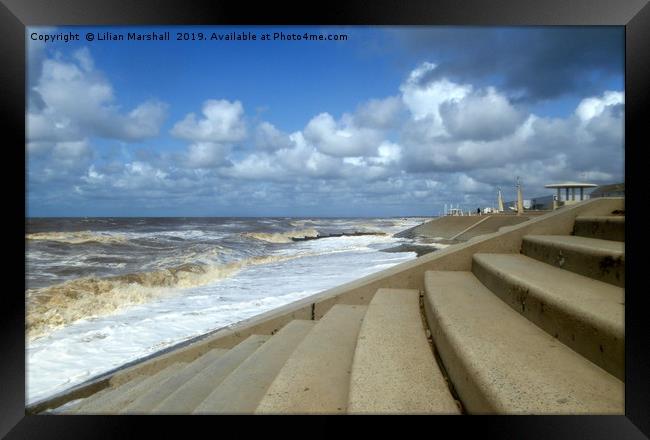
[390, 121]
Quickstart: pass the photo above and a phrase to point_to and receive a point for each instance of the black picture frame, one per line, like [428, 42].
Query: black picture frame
[15, 15]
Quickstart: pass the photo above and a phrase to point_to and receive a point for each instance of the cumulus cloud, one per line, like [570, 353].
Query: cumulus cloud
[592, 107]
[305, 159]
[92, 176]
[481, 116]
[35, 56]
[206, 154]
[138, 175]
[302, 160]
[341, 138]
[72, 150]
[130, 180]
[222, 122]
[268, 137]
[257, 166]
[460, 128]
[459, 111]
[62, 156]
[143, 122]
[84, 59]
[388, 153]
[379, 113]
[423, 97]
[77, 101]
[214, 135]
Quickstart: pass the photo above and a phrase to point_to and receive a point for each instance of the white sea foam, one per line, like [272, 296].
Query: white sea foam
[161, 309]
[61, 304]
[55, 306]
[79, 237]
[282, 237]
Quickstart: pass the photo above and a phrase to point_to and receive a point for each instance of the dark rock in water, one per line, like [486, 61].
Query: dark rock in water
[417, 248]
[407, 233]
[342, 234]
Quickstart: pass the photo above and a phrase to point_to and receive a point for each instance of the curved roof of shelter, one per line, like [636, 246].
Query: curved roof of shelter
[571, 185]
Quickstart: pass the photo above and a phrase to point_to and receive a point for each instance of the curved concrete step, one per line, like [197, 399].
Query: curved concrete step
[149, 399]
[501, 363]
[394, 370]
[441, 227]
[242, 390]
[585, 314]
[123, 395]
[316, 377]
[186, 398]
[610, 227]
[491, 224]
[602, 260]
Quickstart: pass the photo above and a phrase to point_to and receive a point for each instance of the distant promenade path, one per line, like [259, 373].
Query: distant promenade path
[462, 228]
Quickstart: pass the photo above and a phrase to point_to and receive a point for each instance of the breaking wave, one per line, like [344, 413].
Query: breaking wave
[368, 228]
[79, 237]
[59, 305]
[300, 223]
[282, 237]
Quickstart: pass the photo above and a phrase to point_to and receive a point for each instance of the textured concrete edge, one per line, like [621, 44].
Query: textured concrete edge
[408, 275]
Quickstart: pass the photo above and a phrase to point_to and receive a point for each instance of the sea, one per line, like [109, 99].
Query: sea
[103, 292]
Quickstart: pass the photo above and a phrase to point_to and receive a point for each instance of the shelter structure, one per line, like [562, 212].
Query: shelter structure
[569, 190]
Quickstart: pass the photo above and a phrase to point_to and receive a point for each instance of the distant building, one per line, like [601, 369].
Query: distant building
[543, 203]
[613, 190]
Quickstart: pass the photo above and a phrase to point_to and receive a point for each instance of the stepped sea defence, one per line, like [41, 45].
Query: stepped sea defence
[489, 326]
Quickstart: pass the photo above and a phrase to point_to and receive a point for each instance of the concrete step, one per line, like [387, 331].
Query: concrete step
[242, 390]
[394, 370]
[186, 398]
[148, 400]
[501, 363]
[604, 227]
[114, 401]
[602, 260]
[67, 407]
[316, 377]
[585, 314]
[73, 407]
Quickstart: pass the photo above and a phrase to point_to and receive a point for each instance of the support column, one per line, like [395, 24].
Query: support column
[559, 196]
[566, 194]
[573, 194]
[582, 194]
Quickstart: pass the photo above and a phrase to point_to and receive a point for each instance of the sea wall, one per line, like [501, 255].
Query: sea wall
[406, 275]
